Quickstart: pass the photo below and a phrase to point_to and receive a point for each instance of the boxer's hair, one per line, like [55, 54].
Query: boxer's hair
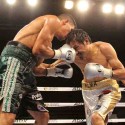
[69, 18]
[77, 35]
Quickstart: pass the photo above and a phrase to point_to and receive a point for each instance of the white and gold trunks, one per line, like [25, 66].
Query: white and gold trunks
[100, 97]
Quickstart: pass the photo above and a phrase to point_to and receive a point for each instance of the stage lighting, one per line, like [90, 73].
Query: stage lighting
[83, 5]
[68, 4]
[11, 2]
[32, 2]
[119, 9]
[107, 8]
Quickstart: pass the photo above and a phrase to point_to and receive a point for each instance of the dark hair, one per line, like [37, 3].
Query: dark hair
[77, 35]
[69, 18]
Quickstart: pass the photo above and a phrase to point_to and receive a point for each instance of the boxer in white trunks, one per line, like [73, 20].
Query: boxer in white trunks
[99, 88]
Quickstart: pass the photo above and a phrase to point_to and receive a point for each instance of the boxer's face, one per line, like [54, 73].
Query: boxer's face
[79, 48]
[62, 33]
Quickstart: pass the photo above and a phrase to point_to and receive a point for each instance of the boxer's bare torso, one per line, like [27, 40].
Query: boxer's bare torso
[29, 34]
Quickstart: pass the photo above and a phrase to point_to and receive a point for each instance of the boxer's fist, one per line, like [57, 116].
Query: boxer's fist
[94, 70]
[65, 53]
[61, 70]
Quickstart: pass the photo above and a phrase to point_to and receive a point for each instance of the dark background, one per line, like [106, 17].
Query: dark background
[101, 27]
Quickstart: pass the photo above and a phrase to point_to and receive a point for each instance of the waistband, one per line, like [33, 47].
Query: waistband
[99, 84]
[20, 45]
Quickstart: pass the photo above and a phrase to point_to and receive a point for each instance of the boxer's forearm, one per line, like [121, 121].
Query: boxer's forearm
[40, 70]
[119, 74]
[56, 63]
[56, 69]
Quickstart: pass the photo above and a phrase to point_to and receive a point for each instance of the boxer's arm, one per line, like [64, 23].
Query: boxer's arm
[56, 69]
[42, 46]
[56, 63]
[40, 70]
[62, 69]
[118, 71]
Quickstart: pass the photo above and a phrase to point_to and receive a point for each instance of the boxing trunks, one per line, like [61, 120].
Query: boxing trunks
[17, 82]
[100, 97]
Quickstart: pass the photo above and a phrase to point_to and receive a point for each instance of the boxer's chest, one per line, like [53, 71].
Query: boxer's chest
[95, 56]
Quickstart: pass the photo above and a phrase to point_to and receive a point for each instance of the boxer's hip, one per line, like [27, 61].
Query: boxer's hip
[95, 90]
[18, 50]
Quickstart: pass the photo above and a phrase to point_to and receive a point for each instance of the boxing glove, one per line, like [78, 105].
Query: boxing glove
[93, 70]
[65, 53]
[61, 70]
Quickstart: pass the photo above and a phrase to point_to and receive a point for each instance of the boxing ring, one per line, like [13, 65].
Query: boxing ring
[71, 109]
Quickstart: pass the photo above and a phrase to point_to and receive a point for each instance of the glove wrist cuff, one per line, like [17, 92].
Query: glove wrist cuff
[51, 72]
[57, 54]
[108, 73]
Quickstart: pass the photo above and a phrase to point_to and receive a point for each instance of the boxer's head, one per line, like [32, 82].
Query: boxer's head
[78, 39]
[78, 35]
[67, 24]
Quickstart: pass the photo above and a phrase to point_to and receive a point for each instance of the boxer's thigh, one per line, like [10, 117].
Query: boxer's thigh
[107, 103]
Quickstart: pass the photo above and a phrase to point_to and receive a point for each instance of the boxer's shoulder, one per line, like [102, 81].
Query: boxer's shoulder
[102, 45]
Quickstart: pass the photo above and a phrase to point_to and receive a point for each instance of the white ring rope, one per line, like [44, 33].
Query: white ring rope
[59, 104]
[25, 121]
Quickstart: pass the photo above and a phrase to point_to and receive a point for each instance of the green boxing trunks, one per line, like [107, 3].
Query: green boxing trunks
[17, 82]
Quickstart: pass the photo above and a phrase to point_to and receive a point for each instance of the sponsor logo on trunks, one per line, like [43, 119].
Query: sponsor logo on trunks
[20, 96]
[40, 107]
[89, 85]
[37, 96]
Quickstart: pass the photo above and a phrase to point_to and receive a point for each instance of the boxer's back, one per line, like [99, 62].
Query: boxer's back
[28, 34]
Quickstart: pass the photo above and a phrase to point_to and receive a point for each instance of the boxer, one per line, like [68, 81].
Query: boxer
[100, 66]
[25, 53]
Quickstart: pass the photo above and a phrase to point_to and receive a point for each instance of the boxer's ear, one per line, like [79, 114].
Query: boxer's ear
[65, 21]
[86, 40]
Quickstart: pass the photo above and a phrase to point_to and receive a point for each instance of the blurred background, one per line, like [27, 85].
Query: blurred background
[104, 20]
